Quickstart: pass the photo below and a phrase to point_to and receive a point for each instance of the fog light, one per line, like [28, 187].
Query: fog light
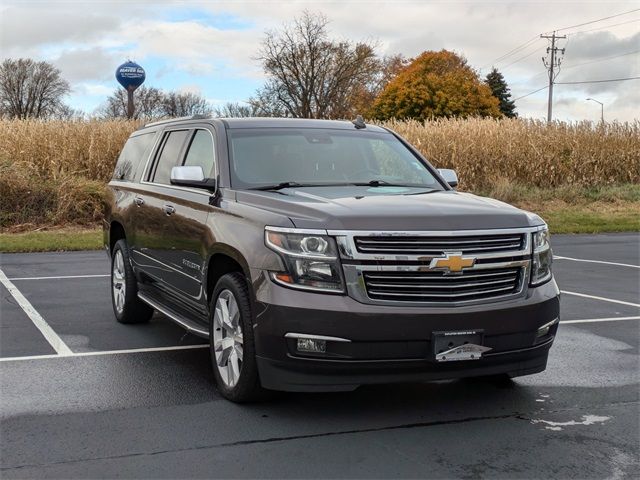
[311, 345]
[544, 329]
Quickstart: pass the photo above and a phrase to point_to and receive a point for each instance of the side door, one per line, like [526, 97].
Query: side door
[151, 217]
[185, 232]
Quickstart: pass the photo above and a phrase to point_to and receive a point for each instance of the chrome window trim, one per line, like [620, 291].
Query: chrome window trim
[154, 154]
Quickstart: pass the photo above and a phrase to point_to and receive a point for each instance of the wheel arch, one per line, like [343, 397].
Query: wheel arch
[224, 259]
[116, 232]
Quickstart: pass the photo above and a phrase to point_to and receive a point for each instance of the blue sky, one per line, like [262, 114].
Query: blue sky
[210, 47]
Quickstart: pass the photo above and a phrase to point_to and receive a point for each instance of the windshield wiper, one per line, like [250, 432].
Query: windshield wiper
[278, 186]
[281, 185]
[382, 183]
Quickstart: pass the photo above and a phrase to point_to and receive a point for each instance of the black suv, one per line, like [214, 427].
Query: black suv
[323, 255]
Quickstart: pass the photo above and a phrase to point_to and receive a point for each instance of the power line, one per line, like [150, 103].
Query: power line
[602, 28]
[524, 45]
[513, 51]
[599, 81]
[600, 59]
[597, 60]
[531, 93]
[518, 60]
[597, 20]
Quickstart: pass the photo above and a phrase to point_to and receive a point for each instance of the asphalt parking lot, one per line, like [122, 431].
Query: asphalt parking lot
[139, 401]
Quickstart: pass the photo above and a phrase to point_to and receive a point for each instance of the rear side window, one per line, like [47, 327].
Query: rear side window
[201, 153]
[170, 156]
[133, 157]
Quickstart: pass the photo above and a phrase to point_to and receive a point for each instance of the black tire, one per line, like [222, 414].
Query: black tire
[245, 387]
[127, 308]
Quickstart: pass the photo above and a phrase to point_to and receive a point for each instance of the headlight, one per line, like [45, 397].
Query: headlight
[542, 258]
[311, 259]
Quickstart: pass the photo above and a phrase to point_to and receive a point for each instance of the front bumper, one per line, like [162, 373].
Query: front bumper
[392, 344]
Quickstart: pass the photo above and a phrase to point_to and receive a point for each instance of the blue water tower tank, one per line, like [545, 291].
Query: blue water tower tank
[130, 75]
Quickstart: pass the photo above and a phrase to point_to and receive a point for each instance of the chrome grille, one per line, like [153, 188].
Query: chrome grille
[438, 245]
[434, 286]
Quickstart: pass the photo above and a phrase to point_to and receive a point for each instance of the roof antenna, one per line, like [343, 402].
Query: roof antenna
[359, 122]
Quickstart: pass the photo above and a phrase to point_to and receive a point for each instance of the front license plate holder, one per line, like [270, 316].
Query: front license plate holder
[460, 345]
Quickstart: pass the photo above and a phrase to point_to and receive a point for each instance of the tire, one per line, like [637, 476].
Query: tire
[127, 307]
[231, 341]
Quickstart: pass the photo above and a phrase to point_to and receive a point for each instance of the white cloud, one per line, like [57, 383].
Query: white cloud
[86, 39]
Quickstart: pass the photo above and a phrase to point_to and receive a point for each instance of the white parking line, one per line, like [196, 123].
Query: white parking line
[50, 336]
[594, 297]
[558, 257]
[58, 277]
[195, 347]
[596, 320]
[106, 352]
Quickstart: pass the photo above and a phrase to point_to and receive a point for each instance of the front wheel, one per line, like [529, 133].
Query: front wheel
[231, 340]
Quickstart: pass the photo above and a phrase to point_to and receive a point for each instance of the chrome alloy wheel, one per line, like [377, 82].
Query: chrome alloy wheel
[118, 282]
[227, 338]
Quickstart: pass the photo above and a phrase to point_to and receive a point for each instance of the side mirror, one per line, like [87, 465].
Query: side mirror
[449, 176]
[191, 176]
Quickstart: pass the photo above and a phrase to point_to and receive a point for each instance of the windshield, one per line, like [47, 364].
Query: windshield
[275, 156]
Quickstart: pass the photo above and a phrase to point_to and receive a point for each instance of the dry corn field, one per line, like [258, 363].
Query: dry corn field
[54, 172]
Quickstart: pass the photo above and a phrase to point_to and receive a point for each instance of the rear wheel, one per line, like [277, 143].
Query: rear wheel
[231, 340]
[127, 307]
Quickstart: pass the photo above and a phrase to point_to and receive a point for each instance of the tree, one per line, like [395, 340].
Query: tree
[30, 89]
[501, 91]
[148, 104]
[436, 84]
[184, 104]
[151, 102]
[236, 110]
[310, 75]
[364, 95]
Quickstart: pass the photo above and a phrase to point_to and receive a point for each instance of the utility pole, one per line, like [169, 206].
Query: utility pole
[551, 63]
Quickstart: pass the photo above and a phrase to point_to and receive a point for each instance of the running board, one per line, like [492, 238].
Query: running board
[186, 324]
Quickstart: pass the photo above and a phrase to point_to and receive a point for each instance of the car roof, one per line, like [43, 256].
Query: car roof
[269, 122]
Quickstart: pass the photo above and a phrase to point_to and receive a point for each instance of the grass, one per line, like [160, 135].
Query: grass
[52, 240]
[570, 210]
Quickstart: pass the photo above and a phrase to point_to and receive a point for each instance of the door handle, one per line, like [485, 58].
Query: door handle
[168, 209]
[139, 201]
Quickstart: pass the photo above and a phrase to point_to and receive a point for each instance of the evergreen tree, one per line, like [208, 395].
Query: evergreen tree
[501, 91]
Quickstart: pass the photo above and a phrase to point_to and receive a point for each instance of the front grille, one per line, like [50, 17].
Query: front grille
[438, 245]
[434, 286]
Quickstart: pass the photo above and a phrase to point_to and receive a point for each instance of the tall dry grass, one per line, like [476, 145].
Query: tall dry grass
[486, 152]
[54, 172]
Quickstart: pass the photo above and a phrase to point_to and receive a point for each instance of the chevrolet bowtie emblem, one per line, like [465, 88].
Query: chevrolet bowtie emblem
[452, 262]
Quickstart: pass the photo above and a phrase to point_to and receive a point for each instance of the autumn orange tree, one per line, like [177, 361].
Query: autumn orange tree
[435, 84]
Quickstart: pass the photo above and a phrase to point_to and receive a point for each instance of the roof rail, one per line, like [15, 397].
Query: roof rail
[169, 120]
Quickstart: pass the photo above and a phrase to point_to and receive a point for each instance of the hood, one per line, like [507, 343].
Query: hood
[388, 208]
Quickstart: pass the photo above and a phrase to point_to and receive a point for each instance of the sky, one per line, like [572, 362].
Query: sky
[210, 47]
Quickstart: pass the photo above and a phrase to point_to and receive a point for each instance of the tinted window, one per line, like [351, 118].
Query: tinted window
[323, 156]
[201, 152]
[169, 157]
[133, 157]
